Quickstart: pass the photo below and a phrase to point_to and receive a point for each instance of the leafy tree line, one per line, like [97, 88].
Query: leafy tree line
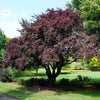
[90, 13]
[3, 46]
[3, 41]
[51, 39]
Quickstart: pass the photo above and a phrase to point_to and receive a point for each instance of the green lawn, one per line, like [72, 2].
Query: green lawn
[94, 76]
[23, 94]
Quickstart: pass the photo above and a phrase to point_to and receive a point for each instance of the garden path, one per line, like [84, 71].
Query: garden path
[5, 97]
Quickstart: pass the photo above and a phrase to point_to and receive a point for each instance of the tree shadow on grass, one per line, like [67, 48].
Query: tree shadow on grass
[19, 93]
[96, 80]
[91, 93]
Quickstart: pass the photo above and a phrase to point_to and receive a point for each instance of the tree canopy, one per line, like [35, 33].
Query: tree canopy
[3, 46]
[50, 39]
[3, 41]
[90, 13]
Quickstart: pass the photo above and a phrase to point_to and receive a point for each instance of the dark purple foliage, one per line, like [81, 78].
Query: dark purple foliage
[52, 37]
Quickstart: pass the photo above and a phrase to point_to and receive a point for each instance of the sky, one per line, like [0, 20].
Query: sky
[12, 11]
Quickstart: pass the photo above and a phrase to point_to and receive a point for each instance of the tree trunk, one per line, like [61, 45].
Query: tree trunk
[51, 81]
[58, 71]
[36, 71]
[52, 75]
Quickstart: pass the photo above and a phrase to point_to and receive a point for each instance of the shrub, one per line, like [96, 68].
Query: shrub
[2, 55]
[20, 81]
[64, 82]
[94, 63]
[24, 82]
[42, 82]
[27, 73]
[84, 63]
[76, 66]
[79, 81]
[28, 83]
[67, 66]
[14, 72]
[33, 81]
[5, 76]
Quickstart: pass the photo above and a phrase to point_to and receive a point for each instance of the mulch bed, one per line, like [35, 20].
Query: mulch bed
[95, 86]
[61, 89]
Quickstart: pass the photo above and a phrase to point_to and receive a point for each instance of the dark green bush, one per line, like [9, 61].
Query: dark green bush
[28, 83]
[5, 76]
[73, 83]
[42, 82]
[63, 82]
[33, 81]
[76, 83]
[20, 81]
[24, 82]
[82, 78]
[79, 81]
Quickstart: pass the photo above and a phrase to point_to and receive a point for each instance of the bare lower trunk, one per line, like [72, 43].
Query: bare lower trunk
[36, 71]
[52, 75]
[51, 81]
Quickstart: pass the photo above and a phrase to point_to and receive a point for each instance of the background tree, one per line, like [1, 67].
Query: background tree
[90, 13]
[76, 5]
[3, 46]
[3, 41]
[50, 39]
[32, 64]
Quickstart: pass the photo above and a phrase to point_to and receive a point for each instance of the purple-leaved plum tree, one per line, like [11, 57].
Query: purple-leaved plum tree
[50, 39]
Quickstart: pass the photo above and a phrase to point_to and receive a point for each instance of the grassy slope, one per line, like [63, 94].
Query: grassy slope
[23, 94]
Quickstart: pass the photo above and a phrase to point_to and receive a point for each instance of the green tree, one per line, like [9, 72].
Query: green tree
[3, 41]
[75, 5]
[2, 54]
[3, 46]
[8, 39]
[90, 13]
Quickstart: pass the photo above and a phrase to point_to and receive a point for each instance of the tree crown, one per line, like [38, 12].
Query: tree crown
[52, 37]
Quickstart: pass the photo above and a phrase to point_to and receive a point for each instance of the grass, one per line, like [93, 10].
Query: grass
[42, 71]
[22, 93]
[68, 74]
[94, 76]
